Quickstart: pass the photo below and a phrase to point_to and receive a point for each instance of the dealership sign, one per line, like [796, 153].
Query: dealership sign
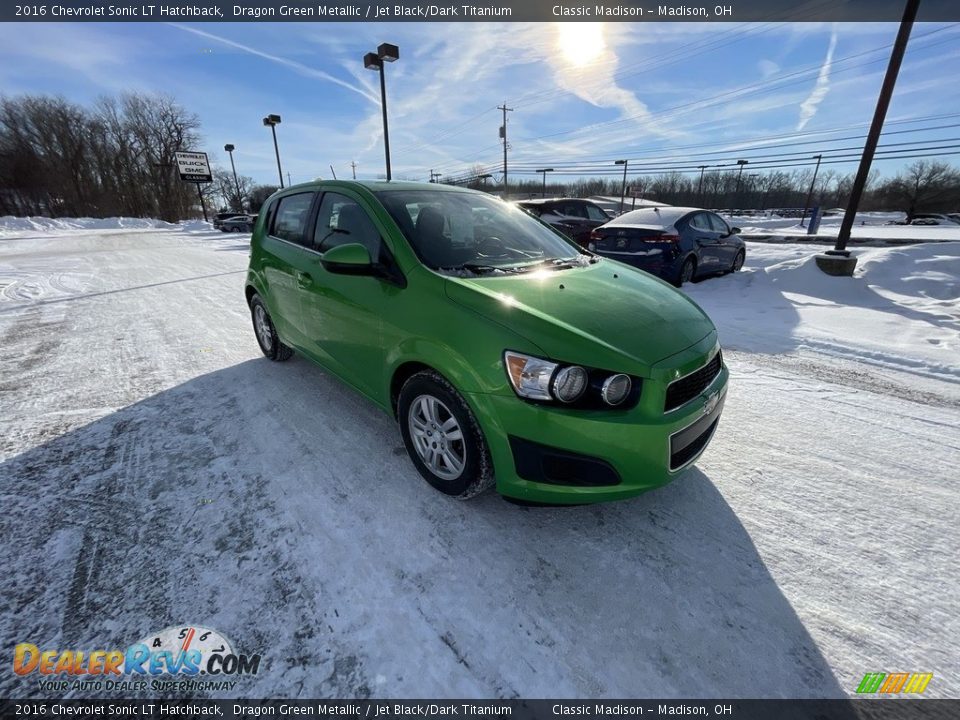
[194, 167]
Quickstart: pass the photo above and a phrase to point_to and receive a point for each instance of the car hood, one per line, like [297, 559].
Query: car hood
[595, 315]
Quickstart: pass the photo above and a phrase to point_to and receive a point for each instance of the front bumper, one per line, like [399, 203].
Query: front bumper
[632, 451]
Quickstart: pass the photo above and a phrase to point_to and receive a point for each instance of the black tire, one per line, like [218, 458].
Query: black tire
[266, 334]
[687, 272]
[236, 229]
[738, 261]
[476, 473]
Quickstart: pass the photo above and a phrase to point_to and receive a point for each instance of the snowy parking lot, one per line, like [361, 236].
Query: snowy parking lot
[156, 470]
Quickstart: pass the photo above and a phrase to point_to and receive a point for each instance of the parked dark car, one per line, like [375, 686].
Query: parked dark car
[678, 244]
[574, 217]
[220, 217]
[238, 223]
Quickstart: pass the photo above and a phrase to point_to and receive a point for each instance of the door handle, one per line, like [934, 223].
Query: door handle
[303, 280]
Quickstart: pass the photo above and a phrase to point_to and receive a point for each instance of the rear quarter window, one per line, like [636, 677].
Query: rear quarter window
[292, 213]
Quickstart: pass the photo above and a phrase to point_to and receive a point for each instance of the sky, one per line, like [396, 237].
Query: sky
[661, 94]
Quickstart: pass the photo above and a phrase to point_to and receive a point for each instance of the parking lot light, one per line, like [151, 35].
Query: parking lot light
[544, 171]
[741, 163]
[374, 61]
[271, 121]
[229, 148]
[623, 188]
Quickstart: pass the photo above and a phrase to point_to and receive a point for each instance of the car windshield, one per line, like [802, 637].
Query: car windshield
[465, 232]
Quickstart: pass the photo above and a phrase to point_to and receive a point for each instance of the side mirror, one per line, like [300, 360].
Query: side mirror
[735, 231]
[349, 259]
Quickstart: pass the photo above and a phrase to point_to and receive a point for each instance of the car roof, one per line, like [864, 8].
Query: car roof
[543, 201]
[660, 216]
[383, 185]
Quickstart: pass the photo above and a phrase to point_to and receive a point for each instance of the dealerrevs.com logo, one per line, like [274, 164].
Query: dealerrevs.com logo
[171, 659]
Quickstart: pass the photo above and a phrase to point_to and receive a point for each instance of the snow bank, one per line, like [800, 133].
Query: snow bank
[901, 310]
[874, 225]
[13, 226]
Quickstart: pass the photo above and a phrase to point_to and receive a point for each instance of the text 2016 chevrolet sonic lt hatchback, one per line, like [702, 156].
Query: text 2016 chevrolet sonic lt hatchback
[507, 354]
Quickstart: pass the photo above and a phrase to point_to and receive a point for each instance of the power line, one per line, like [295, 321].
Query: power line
[773, 83]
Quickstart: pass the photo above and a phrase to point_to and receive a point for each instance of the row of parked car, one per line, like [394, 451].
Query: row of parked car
[234, 222]
[948, 219]
[678, 244]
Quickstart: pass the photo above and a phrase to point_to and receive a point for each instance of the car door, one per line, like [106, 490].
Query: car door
[342, 314]
[729, 243]
[706, 241]
[283, 257]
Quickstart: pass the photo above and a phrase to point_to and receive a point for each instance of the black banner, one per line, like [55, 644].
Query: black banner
[486, 10]
[433, 709]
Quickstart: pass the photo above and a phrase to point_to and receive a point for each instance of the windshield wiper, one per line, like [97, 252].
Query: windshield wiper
[479, 268]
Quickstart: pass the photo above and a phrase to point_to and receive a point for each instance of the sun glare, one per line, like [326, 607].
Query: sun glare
[580, 43]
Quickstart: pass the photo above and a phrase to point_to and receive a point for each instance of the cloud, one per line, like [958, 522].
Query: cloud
[292, 64]
[808, 108]
[768, 68]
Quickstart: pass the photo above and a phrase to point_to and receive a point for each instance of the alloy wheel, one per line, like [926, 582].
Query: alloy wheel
[437, 437]
[262, 325]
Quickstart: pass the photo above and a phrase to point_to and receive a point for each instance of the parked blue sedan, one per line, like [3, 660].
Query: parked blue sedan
[678, 244]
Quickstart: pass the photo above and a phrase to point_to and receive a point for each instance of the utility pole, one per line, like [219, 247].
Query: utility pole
[435, 176]
[838, 260]
[806, 205]
[353, 167]
[503, 135]
[289, 182]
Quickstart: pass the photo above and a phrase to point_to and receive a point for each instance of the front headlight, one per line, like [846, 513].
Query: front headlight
[530, 376]
[535, 378]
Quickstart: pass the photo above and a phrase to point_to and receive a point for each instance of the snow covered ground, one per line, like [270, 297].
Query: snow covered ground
[868, 225]
[156, 470]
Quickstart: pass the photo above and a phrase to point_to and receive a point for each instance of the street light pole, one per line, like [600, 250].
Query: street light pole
[700, 184]
[806, 204]
[374, 61]
[544, 171]
[272, 121]
[230, 148]
[741, 163]
[623, 187]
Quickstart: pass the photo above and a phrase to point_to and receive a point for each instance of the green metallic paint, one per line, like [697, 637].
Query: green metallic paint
[606, 315]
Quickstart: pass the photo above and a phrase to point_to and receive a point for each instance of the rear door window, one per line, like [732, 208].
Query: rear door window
[595, 213]
[292, 217]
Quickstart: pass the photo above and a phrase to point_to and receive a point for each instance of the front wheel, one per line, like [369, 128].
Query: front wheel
[266, 333]
[442, 436]
[738, 261]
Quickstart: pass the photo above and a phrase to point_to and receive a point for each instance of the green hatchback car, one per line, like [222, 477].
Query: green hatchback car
[508, 355]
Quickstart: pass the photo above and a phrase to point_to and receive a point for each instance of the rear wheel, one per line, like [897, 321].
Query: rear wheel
[266, 333]
[442, 436]
[687, 271]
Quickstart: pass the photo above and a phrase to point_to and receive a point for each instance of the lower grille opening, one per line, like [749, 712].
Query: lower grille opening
[682, 456]
[545, 464]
